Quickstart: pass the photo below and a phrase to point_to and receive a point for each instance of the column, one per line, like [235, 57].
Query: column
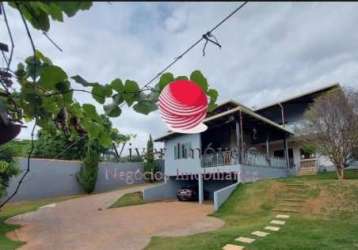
[285, 148]
[201, 188]
[238, 139]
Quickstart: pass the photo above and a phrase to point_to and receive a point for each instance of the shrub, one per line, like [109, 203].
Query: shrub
[8, 168]
[87, 176]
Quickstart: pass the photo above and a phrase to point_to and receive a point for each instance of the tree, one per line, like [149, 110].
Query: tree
[87, 176]
[59, 146]
[149, 164]
[332, 127]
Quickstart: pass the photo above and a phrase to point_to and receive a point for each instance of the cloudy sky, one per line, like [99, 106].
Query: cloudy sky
[269, 52]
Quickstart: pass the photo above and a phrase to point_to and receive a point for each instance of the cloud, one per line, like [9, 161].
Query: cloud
[270, 50]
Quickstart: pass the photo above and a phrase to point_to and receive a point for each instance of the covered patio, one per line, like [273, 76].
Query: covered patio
[240, 136]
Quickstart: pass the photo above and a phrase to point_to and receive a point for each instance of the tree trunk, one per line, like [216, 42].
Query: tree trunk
[340, 172]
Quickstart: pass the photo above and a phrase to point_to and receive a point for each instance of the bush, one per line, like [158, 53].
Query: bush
[87, 176]
[8, 168]
[53, 146]
[19, 148]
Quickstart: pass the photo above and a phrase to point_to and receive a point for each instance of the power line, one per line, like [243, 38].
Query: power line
[203, 37]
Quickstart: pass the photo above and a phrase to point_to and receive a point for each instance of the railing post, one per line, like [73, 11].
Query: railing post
[238, 140]
[285, 146]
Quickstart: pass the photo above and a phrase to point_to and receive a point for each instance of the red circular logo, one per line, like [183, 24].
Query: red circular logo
[183, 106]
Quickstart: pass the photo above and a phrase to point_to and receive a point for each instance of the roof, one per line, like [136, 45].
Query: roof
[241, 108]
[253, 113]
[314, 91]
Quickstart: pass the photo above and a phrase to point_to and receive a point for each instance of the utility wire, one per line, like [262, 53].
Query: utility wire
[203, 37]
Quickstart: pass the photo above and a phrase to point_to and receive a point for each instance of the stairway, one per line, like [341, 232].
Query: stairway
[292, 200]
[307, 171]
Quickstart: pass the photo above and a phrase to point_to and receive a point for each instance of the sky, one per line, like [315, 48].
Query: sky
[270, 51]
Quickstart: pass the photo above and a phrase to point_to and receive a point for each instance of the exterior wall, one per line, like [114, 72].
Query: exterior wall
[50, 178]
[189, 165]
[220, 196]
[165, 190]
[162, 191]
[251, 173]
[211, 186]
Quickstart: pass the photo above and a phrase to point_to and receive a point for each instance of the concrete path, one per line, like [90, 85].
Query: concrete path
[85, 223]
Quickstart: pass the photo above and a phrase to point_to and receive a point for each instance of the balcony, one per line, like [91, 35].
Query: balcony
[225, 158]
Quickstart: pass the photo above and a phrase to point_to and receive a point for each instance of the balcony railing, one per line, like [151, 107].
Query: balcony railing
[225, 158]
[222, 158]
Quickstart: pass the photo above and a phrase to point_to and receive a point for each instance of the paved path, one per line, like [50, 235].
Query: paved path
[85, 223]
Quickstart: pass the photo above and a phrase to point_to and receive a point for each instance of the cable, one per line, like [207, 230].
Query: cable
[194, 44]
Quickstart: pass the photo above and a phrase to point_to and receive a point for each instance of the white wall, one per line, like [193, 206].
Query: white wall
[182, 166]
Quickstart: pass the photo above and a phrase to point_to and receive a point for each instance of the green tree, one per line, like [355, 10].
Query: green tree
[59, 146]
[87, 176]
[149, 163]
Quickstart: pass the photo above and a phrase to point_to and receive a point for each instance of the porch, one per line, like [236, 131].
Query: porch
[241, 137]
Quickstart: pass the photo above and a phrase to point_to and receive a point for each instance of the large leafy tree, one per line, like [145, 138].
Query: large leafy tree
[46, 90]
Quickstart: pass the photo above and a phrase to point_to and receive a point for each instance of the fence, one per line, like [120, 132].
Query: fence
[50, 178]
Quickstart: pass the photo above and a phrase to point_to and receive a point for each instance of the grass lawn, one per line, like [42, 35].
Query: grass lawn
[327, 220]
[16, 208]
[130, 199]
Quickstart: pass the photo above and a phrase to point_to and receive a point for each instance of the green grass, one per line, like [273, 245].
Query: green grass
[329, 219]
[16, 208]
[129, 199]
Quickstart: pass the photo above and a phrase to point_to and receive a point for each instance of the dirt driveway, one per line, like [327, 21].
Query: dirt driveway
[85, 223]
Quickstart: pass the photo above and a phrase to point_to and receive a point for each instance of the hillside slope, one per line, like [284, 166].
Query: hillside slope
[324, 215]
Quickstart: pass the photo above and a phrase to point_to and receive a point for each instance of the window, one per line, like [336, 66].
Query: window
[175, 152]
[182, 151]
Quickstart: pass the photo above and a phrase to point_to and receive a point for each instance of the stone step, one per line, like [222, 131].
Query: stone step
[245, 240]
[282, 216]
[232, 247]
[261, 233]
[285, 206]
[278, 222]
[272, 228]
[295, 184]
[294, 200]
[294, 196]
[292, 211]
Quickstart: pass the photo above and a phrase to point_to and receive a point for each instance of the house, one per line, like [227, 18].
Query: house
[240, 145]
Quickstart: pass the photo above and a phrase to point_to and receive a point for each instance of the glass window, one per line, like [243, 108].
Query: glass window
[182, 151]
